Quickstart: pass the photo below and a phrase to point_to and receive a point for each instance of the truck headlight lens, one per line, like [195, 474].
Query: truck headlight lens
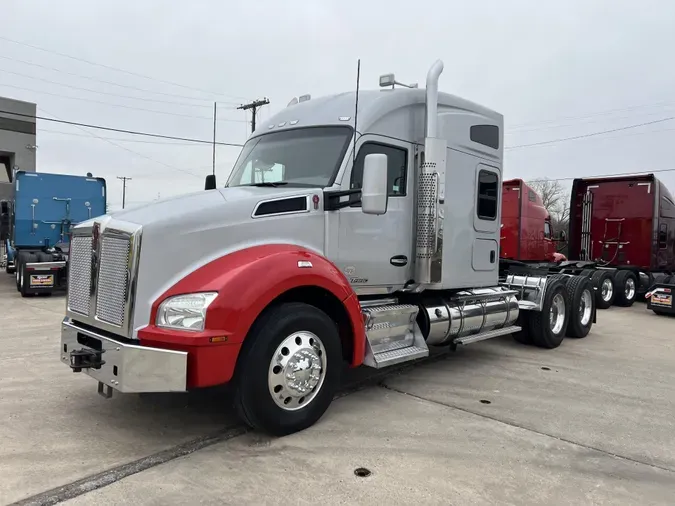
[185, 312]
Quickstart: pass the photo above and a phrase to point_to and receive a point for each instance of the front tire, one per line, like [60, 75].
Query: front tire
[626, 288]
[289, 369]
[548, 326]
[606, 292]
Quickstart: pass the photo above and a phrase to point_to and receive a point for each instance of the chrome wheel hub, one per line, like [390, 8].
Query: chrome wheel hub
[557, 314]
[585, 307]
[630, 288]
[607, 289]
[297, 370]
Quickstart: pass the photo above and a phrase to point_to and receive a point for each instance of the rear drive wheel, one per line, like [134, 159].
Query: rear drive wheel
[581, 304]
[626, 288]
[605, 293]
[289, 369]
[548, 326]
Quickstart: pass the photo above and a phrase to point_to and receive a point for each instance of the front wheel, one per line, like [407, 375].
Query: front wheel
[289, 369]
[626, 288]
[605, 293]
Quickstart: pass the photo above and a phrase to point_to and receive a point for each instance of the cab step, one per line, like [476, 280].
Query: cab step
[486, 335]
[392, 335]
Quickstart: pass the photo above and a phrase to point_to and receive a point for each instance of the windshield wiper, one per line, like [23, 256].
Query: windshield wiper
[270, 185]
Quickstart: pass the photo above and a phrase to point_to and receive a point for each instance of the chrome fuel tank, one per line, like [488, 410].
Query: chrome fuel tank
[468, 312]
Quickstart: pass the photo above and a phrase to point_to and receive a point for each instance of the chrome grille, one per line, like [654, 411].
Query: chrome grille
[79, 274]
[113, 279]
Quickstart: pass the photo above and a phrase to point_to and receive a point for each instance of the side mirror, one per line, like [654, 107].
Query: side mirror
[210, 182]
[374, 192]
[563, 236]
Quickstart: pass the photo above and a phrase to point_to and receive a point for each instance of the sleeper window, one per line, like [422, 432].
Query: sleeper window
[488, 193]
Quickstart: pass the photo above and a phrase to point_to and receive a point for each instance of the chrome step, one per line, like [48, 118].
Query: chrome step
[486, 335]
[392, 335]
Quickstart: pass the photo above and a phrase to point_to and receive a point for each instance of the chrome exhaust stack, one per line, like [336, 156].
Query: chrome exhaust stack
[431, 190]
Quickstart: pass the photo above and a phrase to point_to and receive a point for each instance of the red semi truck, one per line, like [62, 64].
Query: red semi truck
[527, 234]
[622, 234]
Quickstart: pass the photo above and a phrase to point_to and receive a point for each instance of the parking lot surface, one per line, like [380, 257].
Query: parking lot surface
[497, 422]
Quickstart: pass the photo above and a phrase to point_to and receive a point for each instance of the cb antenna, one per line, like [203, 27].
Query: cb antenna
[356, 110]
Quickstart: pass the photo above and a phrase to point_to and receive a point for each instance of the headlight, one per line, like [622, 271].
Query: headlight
[185, 312]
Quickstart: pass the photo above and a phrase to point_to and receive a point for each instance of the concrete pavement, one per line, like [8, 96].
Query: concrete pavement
[588, 423]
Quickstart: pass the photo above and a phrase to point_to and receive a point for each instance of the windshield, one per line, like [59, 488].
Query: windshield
[308, 157]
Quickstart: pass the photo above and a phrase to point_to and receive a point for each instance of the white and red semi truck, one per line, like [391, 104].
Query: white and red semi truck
[359, 234]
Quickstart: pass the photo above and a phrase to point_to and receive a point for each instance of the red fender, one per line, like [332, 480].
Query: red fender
[246, 282]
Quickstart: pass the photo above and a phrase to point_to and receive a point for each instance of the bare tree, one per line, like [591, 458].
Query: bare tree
[556, 200]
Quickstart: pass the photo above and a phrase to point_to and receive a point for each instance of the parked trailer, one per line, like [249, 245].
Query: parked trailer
[309, 257]
[40, 218]
[621, 234]
[624, 228]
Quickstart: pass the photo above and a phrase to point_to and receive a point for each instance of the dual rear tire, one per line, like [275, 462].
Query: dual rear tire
[568, 309]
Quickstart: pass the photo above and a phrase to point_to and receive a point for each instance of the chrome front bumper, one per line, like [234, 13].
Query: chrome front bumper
[126, 368]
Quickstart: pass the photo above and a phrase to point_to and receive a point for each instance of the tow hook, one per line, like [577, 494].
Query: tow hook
[86, 359]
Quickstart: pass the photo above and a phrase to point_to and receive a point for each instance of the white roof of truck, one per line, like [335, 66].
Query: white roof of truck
[373, 106]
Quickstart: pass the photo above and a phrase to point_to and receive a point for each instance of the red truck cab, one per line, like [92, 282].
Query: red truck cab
[526, 225]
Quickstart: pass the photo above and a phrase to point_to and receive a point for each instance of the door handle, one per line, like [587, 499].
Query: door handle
[399, 260]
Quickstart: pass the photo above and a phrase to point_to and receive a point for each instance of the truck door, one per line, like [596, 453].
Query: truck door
[376, 252]
[549, 245]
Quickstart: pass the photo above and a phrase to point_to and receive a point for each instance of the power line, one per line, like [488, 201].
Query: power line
[135, 141]
[552, 141]
[70, 86]
[144, 90]
[591, 115]
[121, 130]
[615, 174]
[116, 69]
[121, 106]
[134, 152]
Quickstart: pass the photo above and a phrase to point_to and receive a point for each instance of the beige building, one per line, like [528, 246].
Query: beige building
[17, 141]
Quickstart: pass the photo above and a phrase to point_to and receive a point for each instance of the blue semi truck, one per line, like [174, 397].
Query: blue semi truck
[35, 226]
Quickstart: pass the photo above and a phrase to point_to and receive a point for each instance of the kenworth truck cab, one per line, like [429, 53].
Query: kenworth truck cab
[359, 234]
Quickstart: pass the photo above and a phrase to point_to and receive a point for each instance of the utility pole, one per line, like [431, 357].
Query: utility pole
[253, 106]
[215, 112]
[124, 180]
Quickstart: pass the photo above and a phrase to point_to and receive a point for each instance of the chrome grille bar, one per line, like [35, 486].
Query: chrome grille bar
[113, 279]
[103, 267]
[79, 274]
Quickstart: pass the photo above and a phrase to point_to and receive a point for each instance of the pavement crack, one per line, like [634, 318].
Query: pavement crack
[110, 476]
[529, 429]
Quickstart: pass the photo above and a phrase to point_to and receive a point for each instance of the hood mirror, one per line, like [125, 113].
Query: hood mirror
[210, 182]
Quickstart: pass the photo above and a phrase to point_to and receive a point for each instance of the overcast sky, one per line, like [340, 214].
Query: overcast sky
[554, 69]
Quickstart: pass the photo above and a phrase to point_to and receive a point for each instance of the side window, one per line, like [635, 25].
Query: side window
[663, 236]
[547, 230]
[397, 167]
[488, 193]
[531, 196]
